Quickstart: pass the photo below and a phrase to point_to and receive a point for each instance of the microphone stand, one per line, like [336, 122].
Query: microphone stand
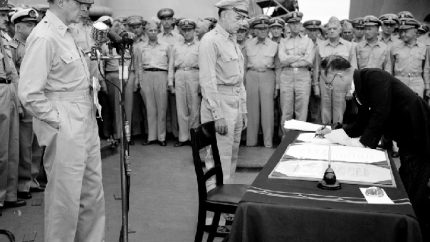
[125, 168]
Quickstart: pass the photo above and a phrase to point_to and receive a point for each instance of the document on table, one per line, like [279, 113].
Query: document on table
[301, 125]
[384, 199]
[310, 138]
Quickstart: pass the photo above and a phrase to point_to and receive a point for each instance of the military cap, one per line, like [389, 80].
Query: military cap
[239, 6]
[85, 1]
[312, 24]
[135, 20]
[292, 17]
[25, 15]
[423, 29]
[371, 20]
[276, 21]
[358, 22]
[389, 18]
[4, 5]
[408, 23]
[405, 14]
[106, 20]
[165, 13]
[243, 25]
[262, 21]
[187, 24]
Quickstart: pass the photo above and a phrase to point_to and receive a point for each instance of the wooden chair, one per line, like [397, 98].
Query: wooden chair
[224, 197]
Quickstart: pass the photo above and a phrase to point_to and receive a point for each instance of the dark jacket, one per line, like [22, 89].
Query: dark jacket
[390, 108]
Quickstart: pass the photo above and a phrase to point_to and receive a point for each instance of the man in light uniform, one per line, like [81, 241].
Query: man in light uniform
[296, 54]
[411, 60]
[25, 20]
[373, 53]
[358, 26]
[389, 23]
[9, 121]
[347, 31]
[170, 36]
[336, 91]
[276, 29]
[55, 88]
[153, 67]
[184, 77]
[260, 83]
[221, 81]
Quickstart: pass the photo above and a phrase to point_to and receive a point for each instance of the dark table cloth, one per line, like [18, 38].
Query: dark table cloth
[295, 210]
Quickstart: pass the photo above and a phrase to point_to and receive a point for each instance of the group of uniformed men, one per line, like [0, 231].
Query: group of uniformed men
[241, 73]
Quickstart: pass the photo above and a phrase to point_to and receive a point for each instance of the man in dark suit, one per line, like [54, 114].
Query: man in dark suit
[388, 107]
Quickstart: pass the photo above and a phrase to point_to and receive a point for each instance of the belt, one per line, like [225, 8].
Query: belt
[187, 68]
[296, 68]
[153, 69]
[5, 81]
[69, 96]
[260, 69]
[228, 89]
[409, 74]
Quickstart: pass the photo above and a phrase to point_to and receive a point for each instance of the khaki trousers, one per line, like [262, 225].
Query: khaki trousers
[9, 143]
[295, 90]
[154, 93]
[26, 138]
[228, 144]
[74, 198]
[187, 101]
[114, 124]
[260, 88]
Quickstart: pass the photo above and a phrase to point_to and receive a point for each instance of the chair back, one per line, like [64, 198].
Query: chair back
[202, 137]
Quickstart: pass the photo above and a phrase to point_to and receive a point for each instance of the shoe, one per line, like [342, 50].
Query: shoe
[395, 154]
[162, 143]
[146, 142]
[37, 189]
[15, 204]
[24, 195]
[179, 143]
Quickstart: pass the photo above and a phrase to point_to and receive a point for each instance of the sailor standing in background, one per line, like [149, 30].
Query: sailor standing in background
[221, 80]
[54, 87]
[24, 20]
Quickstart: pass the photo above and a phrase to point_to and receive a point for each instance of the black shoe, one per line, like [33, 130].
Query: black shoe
[15, 204]
[162, 143]
[24, 195]
[37, 189]
[179, 143]
[146, 142]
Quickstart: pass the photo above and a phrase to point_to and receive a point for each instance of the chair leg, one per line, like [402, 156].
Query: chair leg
[214, 227]
[201, 220]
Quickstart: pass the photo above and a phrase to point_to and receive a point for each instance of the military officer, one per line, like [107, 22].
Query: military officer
[347, 31]
[54, 87]
[411, 60]
[184, 77]
[296, 54]
[276, 29]
[314, 32]
[221, 80]
[153, 63]
[334, 91]
[260, 82]
[242, 35]
[358, 25]
[373, 53]
[389, 24]
[9, 123]
[24, 20]
[171, 37]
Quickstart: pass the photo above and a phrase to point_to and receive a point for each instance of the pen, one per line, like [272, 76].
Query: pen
[317, 135]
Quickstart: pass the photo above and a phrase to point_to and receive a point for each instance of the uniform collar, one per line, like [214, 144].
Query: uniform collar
[168, 34]
[220, 30]
[56, 22]
[341, 42]
[299, 35]
[257, 41]
[411, 45]
[371, 45]
[190, 43]
[153, 44]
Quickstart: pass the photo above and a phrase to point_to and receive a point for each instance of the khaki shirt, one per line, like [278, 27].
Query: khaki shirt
[298, 50]
[221, 64]
[375, 55]
[411, 60]
[390, 41]
[425, 39]
[17, 48]
[184, 55]
[170, 38]
[154, 55]
[52, 63]
[261, 55]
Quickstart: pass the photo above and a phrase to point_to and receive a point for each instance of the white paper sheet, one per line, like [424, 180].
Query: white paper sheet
[307, 151]
[301, 125]
[375, 199]
[356, 154]
[310, 138]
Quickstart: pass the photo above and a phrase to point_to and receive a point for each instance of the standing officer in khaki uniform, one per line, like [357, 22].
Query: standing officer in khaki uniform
[411, 60]
[296, 54]
[373, 53]
[276, 29]
[55, 88]
[336, 90]
[358, 25]
[221, 81]
[170, 36]
[260, 82]
[9, 121]
[25, 20]
[184, 77]
[389, 22]
[153, 62]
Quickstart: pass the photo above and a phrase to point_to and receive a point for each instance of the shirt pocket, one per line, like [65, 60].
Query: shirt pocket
[68, 58]
[229, 65]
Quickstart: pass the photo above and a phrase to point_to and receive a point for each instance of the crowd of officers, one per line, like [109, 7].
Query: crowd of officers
[282, 77]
